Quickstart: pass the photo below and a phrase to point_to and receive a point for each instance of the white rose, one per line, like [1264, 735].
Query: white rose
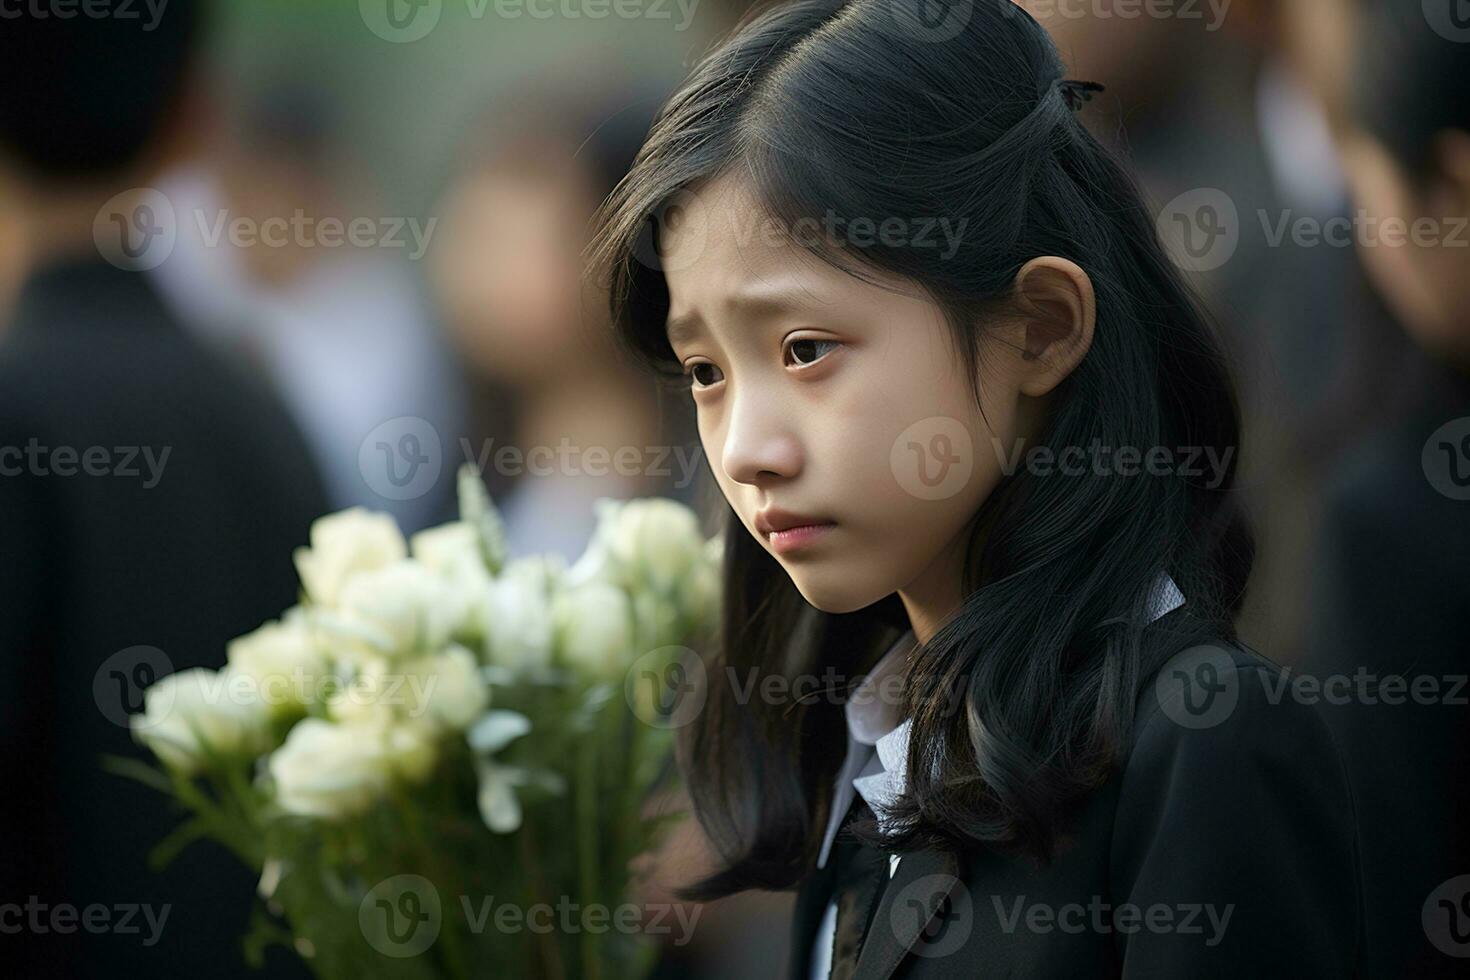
[370, 693]
[332, 771]
[283, 660]
[540, 573]
[598, 563]
[194, 712]
[446, 691]
[657, 619]
[645, 543]
[412, 751]
[659, 539]
[593, 627]
[453, 551]
[699, 595]
[515, 620]
[343, 545]
[404, 607]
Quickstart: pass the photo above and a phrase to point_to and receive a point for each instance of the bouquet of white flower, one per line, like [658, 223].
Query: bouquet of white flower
[438, 760]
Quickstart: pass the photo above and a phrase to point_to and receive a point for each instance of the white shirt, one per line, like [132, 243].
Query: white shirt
[877, 756]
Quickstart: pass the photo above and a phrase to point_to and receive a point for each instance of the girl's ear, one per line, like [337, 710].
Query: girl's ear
[1056, 312]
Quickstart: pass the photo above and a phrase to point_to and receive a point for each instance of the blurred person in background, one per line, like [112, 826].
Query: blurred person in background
[1179, 106]
[1192, 100]
[1306, 317]
[150, 493]
[342, 330]
[12, 258]
[552, 400]
[1228, 111]
[1391, 610]
[1315, 310]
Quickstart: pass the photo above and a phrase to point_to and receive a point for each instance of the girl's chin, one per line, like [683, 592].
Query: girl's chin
[832, 594]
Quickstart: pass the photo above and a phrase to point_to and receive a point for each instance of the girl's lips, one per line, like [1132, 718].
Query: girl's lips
[797, 537]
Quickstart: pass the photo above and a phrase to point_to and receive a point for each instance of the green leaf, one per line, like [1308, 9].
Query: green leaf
[497, 729]
[264, 933]
[181, 837]
[499, 808]
[139, 770]
[551, 782]
[477, 509]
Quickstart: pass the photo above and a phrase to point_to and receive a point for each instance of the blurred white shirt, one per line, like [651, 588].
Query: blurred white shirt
[348, 346]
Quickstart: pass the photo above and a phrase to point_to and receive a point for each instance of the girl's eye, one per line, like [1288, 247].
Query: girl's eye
[809, 350]
[703, 374]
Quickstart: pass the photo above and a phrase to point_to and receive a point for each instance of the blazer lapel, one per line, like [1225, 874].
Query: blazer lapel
[917, 890]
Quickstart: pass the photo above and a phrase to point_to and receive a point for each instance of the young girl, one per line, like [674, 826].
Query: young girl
[978, 695]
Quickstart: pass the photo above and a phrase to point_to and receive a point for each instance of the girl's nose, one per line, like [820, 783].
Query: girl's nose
[761, 445]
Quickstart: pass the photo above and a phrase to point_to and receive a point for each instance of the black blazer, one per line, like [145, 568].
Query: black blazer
[180, 556]
[1223, 850]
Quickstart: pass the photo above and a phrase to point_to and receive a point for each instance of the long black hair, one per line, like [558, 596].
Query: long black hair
[862, 108]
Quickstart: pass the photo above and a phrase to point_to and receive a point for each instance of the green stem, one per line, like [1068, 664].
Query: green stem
[449, 935]
[241, 798]
[550, 955]
[587, 852]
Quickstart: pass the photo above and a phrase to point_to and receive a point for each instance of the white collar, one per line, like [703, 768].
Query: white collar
[878, 742]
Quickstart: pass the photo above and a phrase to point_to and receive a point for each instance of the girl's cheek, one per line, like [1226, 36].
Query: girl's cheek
[710, 439]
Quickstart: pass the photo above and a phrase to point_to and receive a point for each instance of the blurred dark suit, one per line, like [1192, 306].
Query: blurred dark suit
[96, 564]
[1392, 598]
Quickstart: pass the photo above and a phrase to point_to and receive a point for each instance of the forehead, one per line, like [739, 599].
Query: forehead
[715, 235]
[723, 255]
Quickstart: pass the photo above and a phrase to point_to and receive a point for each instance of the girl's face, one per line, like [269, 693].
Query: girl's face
[833, 403]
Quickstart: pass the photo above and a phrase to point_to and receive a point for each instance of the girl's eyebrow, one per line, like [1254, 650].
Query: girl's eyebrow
[749, 302]
[685, 327]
